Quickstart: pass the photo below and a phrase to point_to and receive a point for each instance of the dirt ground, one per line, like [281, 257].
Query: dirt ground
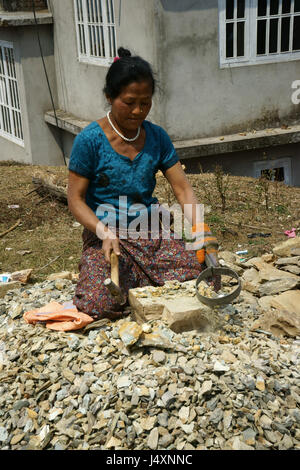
[47, 240]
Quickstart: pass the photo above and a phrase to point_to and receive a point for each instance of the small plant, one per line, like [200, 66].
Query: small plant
[281, 209]
[222, 182]
[263, 187]
[207, 187]
[215, 219]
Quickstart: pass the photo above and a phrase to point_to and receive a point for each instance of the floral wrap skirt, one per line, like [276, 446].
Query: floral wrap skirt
[142, 262]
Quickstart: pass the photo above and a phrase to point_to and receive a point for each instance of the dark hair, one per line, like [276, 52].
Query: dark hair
[126, 70]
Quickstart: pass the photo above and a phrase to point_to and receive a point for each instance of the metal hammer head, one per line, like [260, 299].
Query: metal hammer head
[116, 291]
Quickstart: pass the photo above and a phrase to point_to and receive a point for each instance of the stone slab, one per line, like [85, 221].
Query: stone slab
[187, 313]
[24, 18]
[278, 285]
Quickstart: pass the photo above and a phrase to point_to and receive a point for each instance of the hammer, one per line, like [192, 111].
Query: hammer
[112, 283]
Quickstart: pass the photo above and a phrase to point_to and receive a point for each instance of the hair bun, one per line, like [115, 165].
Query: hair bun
[123, 52]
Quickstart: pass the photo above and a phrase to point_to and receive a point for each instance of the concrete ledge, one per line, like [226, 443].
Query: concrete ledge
[24, 18]
[237, 142]
[66, 121]
[200, 147]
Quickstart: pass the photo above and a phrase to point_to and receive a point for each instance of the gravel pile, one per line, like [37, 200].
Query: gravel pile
[231, 389]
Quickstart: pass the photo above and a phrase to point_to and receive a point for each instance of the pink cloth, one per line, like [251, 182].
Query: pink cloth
[290, 233]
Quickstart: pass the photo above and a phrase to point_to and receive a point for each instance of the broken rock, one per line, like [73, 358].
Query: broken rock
[287, 248]
[130, 333]
[281, 314]
[21, 276]
[292, 269]
[158, 338]
[62, 275]
[289, 300]
[277, 285]
[267, 272]
[279, 323]
[288, 260]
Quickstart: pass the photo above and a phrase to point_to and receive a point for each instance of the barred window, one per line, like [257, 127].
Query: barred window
[259, 31]
[96, 31]
[10, 111]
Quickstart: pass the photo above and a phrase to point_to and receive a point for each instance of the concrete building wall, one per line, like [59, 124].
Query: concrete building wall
[41, 144]
[200, 98]
[44, 141]
[80, 84]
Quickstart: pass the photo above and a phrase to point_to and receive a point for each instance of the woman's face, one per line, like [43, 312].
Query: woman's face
[132, 106]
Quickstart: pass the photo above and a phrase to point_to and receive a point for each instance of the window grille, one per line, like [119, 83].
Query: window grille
[10, 110]
[96, 31]
[259, 31]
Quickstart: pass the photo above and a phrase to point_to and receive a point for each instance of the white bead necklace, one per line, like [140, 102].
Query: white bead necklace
[119, 133]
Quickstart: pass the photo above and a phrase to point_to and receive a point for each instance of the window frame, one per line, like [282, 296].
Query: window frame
[105, 24]
[250, 57]
[12, 98]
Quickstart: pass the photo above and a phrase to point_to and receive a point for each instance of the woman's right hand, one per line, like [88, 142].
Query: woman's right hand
[110, 245]
[110, 241]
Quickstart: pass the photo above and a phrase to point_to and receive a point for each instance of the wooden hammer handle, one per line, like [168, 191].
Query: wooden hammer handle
[114, 261]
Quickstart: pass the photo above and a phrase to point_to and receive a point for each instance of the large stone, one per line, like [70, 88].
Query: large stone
[288, 260]
[289, 300]
[267, 272]
[231, 260]
[251, 280]
[228, 257]
[292, 269]
[145, 308]
[287, 248]
[279, 323]
[268, 257]
[186, 313]
[281, 314]
[277, 285]
[247, 298]
[251, 275]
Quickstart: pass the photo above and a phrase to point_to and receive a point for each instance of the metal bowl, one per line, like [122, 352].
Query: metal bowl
[213, 271]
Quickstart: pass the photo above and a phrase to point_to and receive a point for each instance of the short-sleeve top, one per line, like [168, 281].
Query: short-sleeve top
[119, 185]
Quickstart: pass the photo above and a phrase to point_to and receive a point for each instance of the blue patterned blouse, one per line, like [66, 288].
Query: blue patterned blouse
[113, 175]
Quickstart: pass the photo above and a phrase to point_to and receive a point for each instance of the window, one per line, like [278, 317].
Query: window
[10, 111]
[96, 31]
[258, 31]
[276, 170]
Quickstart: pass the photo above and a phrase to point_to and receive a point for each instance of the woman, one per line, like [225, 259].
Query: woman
[118, 156]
